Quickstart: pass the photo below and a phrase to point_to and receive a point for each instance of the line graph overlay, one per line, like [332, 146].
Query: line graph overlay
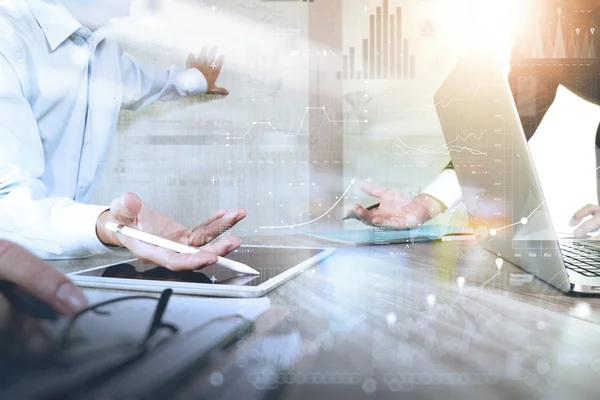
[316, 219]
[269, 124]
[523, 221]
[448, 148]
[444, 104]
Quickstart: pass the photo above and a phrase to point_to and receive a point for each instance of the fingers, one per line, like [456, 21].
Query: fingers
[365, 216]
[39, 279]
[218, 90]
[126, 208]
[202, 60]
[372, 190]
[216, 68]
[217, 215]
[207, 231]
[210, 66]
[590, 209]
[219, 63]
[212, 55]
[224, 246]
[351, 214]
[173, 260]
[591, 225]
[191, 61]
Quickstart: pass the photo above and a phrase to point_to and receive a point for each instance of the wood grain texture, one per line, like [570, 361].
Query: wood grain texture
[391, 322]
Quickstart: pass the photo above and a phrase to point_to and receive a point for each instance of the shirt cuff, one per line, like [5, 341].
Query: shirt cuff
[78, 228]
[445, 188]
[191, 82]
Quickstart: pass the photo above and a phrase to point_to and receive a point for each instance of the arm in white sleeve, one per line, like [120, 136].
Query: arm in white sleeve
[49, 227]
[445, 188]
[143, 84]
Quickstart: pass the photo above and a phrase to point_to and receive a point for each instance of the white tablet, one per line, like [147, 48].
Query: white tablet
[276, 264]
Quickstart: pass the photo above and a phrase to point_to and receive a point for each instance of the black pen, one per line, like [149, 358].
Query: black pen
[351, 216]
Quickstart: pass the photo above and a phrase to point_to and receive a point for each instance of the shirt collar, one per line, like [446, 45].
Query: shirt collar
[56, 21]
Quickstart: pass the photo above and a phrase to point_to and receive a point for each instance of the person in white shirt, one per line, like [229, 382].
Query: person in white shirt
[63, 81]
[398, 211]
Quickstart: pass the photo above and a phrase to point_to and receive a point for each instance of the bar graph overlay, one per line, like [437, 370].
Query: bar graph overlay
[385, 53]
[560, 36]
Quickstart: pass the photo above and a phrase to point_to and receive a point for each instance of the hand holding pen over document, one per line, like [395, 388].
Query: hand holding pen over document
[395, 210]
[129, 210]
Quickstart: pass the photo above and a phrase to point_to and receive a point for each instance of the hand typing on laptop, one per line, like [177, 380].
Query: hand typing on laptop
[590, 225]
[131, 211]
[396, 210]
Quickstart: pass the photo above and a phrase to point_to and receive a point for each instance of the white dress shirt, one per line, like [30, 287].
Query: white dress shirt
[61, 89]
[445, 188]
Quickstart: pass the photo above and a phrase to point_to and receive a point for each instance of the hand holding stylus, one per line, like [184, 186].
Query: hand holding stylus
[177, 247]
[129, 210]
[395, 210]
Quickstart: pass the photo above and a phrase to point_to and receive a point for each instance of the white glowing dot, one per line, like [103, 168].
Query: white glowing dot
[391, 319]
[541, 325]
[493, 232]
[216, 379]
[583, 310]
[499, 262]
[431, 300]
[543, 367]
[524, 221]
[460, 281]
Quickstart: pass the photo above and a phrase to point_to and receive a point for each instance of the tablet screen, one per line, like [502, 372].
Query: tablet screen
[269, 261]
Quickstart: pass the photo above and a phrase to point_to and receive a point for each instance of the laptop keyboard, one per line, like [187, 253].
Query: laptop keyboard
[581, 258]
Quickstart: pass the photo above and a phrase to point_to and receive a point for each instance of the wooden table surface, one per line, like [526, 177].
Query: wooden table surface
[393, 322]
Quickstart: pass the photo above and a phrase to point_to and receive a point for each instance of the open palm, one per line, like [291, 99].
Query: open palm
[396, 210]
[131, 211]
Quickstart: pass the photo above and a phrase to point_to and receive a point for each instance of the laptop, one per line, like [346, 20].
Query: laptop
[499, 182]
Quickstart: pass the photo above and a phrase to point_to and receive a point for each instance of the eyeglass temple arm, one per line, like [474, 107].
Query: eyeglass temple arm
[157, 322]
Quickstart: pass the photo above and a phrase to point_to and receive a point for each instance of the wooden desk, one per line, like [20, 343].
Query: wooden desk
[391, 322]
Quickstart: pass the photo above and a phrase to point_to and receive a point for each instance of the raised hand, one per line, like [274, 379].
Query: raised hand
[210, 68]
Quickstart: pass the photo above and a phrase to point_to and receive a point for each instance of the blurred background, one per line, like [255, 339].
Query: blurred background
[321, 93]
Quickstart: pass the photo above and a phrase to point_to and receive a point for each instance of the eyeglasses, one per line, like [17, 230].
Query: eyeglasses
[90, 364]
[156, 323]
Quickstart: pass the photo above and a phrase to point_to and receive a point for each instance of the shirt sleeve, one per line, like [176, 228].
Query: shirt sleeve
[52, 228]
[144, 84]
[445, 188]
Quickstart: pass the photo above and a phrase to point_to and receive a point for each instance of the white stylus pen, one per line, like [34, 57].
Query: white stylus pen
[178, 247]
